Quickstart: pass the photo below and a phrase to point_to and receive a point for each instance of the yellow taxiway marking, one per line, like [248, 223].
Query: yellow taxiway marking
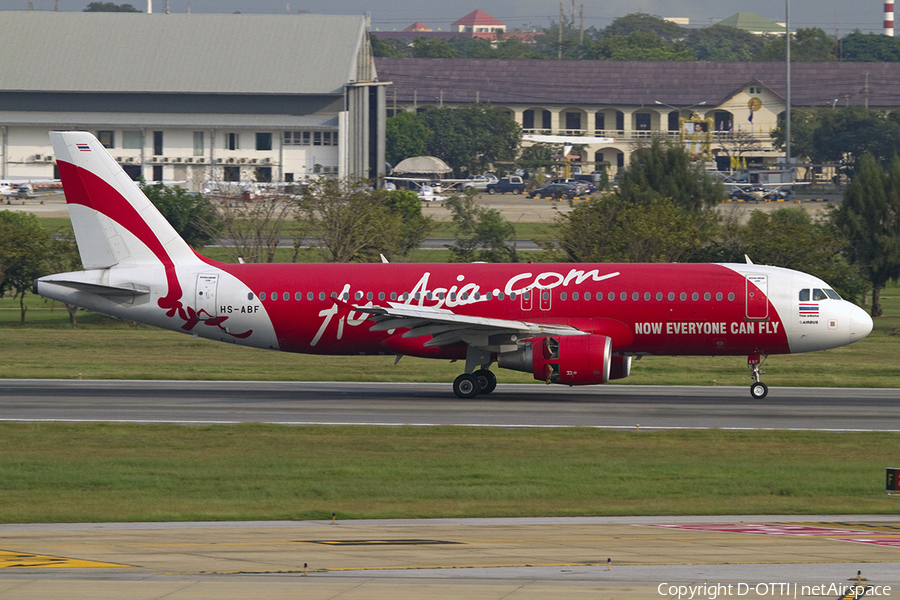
[12, 560]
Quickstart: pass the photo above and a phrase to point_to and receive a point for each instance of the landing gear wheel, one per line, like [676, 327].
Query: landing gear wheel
[487, 381]
[466, 386]
[759, 390]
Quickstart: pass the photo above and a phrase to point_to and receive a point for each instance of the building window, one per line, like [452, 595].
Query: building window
[264, 174]
[198, 143]
[528, 119]
[157, 173]
[317, 138]
[545, 120]
[263, 141]
[599, 121]
[107, 138]
[642, 121]
[157, 143]
[232, 141]
[131, 140]
[573, 120]
[231, 174]
[674, 118]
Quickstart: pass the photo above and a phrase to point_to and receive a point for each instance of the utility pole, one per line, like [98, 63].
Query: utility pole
[787, 112]
[866, 92]
[581, 26]
[559, 50]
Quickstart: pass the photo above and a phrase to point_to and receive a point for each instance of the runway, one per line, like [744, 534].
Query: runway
[511, 405]
[623, 558]
[599, 558]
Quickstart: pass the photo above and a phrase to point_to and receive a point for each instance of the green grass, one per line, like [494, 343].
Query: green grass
[55, 472]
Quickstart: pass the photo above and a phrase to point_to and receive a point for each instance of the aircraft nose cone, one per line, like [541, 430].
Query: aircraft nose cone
[860, 323]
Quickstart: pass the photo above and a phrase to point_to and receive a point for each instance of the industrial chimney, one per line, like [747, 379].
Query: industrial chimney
[889, 18]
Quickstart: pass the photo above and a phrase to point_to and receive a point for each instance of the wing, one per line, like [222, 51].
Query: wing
[446, 327]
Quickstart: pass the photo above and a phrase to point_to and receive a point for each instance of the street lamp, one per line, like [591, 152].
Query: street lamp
[680, 109]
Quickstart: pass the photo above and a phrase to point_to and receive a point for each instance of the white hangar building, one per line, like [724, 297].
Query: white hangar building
[193, 96]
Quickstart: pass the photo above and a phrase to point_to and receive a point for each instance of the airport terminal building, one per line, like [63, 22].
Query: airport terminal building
[193, 97]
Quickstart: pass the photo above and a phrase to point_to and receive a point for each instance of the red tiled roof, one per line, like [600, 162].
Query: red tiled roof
[624, 83]
[418, 27]
[477, 17]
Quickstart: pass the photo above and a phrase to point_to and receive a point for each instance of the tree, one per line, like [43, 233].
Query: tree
[721, 43]
[470, 137]
[62, 257]
[639, 45]
[432, 48]
[842, 135]
[612, 229]
[482, 234]
[405, 136]
[192, 215]
[24, 245]
[870, 47]
[356, 223]
[869, 217]
[110, 7]
[251, 230]
[807, 45]
[644, 23]
[663, 169]
[390, 47]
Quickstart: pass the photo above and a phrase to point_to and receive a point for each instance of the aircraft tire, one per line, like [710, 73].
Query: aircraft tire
[487, 381]
[759, 390]
[466, 386]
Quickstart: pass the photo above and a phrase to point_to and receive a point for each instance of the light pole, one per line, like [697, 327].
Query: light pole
[680, 109]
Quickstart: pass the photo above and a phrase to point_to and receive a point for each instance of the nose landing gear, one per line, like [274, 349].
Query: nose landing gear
[758, 389]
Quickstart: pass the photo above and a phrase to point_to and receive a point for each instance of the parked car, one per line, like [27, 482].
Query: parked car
[555, 190]
[514, 184]
[586, 186]
[478, 182]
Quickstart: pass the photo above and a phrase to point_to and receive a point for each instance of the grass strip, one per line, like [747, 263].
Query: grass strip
[53, 472]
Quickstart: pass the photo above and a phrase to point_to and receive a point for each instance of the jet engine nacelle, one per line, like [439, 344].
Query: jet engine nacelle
[570, 360]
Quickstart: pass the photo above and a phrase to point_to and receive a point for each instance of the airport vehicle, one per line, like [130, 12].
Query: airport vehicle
[571, 324]
[513, 184]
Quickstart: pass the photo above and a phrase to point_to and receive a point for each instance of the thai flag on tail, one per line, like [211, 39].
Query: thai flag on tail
[83, 147]
[809, 310]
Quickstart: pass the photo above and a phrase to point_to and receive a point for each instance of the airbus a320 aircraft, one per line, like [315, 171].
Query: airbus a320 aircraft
[571, 324]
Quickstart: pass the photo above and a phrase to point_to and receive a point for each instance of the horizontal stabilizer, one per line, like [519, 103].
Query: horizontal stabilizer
[127, 290]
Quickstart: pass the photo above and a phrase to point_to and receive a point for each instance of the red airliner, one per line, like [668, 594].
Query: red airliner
[572, 324]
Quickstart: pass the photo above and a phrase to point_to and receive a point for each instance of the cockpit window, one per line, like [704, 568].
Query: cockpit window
[833, 294]
[818, 295]
[804, 295]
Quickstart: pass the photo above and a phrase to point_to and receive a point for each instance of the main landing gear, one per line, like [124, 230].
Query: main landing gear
[469, 385]
[758, 389]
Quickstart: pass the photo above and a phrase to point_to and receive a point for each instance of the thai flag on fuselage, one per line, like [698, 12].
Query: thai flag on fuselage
[83, 147]
[809, 310]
